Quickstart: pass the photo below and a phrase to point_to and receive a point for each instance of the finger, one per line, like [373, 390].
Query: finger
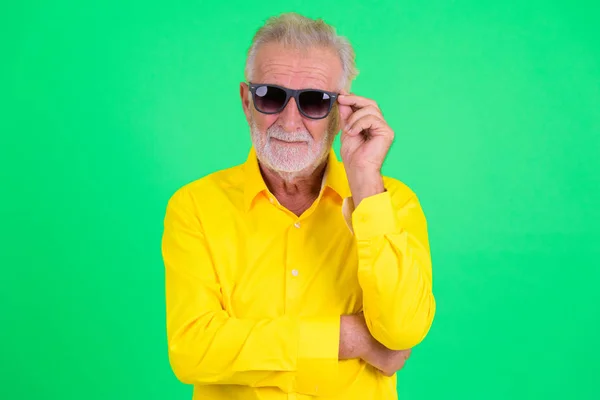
[399, 364]
[345, 113]
[370, 110]
[373, 124]
[356, 101]
[386, 372]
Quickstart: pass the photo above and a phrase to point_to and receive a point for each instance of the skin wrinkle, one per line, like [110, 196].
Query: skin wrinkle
[318, 72]
[319, 80]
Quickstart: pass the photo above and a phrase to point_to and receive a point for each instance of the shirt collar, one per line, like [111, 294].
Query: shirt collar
[334, 178]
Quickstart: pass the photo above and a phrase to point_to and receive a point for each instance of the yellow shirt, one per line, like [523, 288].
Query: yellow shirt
[254, 294]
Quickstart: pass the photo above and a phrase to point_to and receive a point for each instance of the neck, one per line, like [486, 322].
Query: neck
[289, 185]
[294, 183]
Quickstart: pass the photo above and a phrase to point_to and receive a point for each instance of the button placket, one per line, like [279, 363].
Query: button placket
[294, 259]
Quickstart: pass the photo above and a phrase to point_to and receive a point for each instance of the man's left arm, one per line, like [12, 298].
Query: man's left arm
[394, 262]
[394, 268]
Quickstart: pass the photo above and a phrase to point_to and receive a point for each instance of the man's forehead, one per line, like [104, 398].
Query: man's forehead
[318, 67]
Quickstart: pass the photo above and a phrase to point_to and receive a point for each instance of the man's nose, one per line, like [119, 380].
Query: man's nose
[290, 117]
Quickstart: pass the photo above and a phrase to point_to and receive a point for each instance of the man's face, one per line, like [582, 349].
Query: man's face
[288, 141]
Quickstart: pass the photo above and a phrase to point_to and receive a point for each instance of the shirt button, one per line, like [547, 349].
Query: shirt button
[297, 224]
[295, 272]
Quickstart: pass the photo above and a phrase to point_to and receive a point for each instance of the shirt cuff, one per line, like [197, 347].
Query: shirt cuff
[318, 352]
[375, 216]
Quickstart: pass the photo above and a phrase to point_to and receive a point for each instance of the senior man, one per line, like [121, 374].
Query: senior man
[294, 275]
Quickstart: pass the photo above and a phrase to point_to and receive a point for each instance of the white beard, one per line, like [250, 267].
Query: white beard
[290, 161]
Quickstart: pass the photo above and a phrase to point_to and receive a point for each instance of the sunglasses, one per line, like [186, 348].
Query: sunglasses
[272, 99]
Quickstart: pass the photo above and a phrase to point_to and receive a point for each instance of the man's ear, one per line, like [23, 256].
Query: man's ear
[245, 98]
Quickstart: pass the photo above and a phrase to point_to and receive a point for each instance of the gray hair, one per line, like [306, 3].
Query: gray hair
[299, 32]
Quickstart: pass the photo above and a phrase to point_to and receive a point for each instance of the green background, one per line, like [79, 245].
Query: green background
[109, 106]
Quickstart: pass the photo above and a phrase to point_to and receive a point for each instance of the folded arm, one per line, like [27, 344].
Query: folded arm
[208, 346]
[394, 268]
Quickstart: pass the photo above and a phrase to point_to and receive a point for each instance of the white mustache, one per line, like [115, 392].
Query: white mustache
[280, 134]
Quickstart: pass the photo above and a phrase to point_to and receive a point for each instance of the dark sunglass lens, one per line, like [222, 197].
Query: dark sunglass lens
[269, 99]
[315, 103]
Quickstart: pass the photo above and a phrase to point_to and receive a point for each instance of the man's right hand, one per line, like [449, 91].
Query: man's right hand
[387, 361]
[356, 342]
